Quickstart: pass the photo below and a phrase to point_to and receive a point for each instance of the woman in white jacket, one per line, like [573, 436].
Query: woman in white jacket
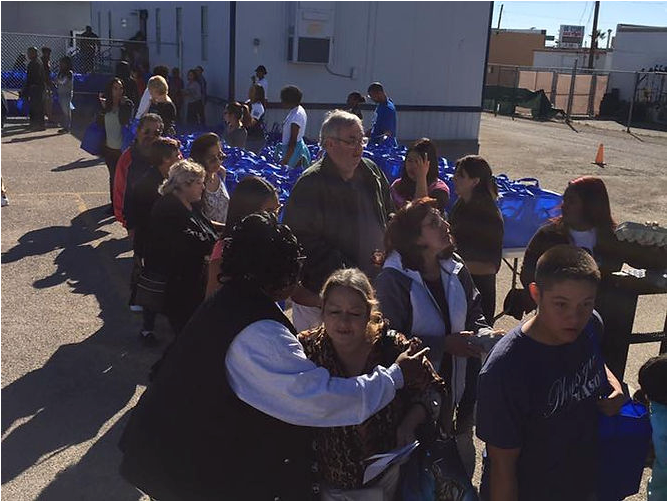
[426, 291]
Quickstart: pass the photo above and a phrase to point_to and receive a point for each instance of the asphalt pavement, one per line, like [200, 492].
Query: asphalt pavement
[72, 363]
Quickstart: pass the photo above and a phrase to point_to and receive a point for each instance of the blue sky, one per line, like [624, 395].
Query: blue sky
[550, 15]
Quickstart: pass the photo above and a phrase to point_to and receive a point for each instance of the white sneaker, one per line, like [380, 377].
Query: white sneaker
[5, 200]
[136, 308]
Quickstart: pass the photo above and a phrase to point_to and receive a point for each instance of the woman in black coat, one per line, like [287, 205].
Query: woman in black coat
[180, 241]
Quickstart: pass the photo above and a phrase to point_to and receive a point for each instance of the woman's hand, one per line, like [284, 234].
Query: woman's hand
[423, 166]
[406, 431]
[460, 345]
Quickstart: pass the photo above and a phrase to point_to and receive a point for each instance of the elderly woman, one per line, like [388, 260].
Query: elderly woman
[351, 341]
[180, 239]
[426, 290]
[206, 150]
[227, 416]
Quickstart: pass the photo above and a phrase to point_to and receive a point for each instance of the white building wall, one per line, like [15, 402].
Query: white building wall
[425, 54]
[564, 59]
[46, 18]
[633, 51]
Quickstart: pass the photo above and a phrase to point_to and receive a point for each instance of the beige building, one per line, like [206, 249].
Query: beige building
[513, 48]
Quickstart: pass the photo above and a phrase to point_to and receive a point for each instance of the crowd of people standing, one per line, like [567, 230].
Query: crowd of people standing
[392, 301]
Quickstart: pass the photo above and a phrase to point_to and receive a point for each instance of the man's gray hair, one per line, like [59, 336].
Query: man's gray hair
[182, 173]
[334, 121]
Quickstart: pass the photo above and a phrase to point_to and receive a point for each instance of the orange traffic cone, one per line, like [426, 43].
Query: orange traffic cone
[599, 158]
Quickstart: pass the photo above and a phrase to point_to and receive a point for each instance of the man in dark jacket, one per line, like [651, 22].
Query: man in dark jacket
[338, 210]
[34, 89]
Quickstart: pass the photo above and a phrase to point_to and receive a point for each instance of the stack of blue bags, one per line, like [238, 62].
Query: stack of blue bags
[524, 205]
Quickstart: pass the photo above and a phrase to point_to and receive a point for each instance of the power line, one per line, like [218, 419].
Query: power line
[587, 23]
[585, 6]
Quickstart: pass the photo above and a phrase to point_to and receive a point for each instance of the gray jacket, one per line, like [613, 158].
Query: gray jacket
[411, 308]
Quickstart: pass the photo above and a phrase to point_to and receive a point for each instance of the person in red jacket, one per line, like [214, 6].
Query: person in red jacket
[134, 162]
[131, 167]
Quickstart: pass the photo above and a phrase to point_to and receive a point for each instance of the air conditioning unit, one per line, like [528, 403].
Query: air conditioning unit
[310, 32]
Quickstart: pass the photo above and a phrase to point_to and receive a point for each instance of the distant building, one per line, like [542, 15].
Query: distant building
[430, 56]
[46, 18]
[636, 48]
[515, 47]
[564, 58]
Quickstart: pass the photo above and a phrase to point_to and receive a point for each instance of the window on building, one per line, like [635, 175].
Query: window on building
[204, 30]
[158, 31]
[109, 24]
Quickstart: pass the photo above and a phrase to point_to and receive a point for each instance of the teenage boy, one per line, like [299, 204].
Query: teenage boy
[541, 386]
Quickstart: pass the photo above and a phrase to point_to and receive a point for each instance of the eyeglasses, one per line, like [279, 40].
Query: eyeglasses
[352, 143]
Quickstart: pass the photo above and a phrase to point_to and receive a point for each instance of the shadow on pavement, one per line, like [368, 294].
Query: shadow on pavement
[81, 163]
[83, 385]
[32, 138]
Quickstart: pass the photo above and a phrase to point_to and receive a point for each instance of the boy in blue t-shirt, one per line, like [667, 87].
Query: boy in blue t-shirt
[541, 386]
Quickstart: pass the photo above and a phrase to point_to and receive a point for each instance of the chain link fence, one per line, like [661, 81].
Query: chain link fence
[578, 92]
[94, 61]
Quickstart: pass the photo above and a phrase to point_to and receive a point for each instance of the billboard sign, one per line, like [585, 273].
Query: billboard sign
[571, 36]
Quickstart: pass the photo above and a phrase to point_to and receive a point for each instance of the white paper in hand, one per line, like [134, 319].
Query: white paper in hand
[380, 462]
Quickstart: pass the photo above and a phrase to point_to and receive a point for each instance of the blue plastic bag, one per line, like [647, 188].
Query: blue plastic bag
[22, 106]
[128, 137]
[525, 207]
[624, 441]
[94, 139]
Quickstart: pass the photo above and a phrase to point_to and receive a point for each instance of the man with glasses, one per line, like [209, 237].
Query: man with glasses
[133, 164]
[338, 210]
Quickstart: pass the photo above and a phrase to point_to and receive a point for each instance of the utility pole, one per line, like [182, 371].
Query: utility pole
[593, 41]
[499, 19]
[608, 38]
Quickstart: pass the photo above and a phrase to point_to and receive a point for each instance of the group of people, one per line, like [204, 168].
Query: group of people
[40, 86]
[393, 303]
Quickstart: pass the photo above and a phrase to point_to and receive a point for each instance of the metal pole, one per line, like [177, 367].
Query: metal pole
[591, 96]
[499, 19]
[593, 41]
[233, 50]
[629, 114]
[570, 101]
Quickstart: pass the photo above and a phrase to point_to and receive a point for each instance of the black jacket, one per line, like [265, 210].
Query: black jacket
[190, 438]
[322, 212]
[124, 113]
[178, 241]
[478, 230]
[609, 252]
[143, 196]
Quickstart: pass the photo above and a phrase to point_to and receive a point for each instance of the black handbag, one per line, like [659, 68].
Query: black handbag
[150, 293]
[435, 473]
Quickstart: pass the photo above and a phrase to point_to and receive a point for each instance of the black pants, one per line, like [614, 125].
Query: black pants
[36, 102]
[111, 158]
[192, 114]
[487, 287]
